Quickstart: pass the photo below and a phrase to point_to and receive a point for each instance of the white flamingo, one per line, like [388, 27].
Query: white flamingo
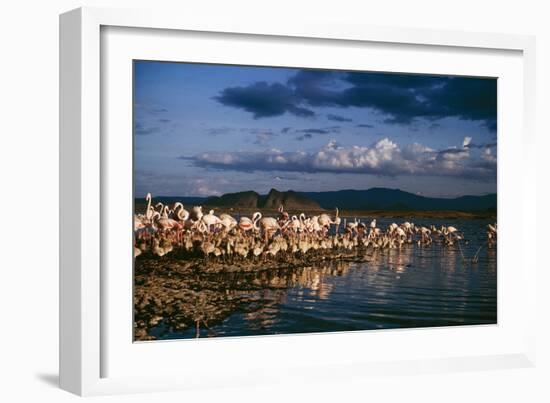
[180, 213]
[228, 221]
[211, 220]
[246, 224]
[196, 213]
[295, 224]
[266, 225]
[325, 220]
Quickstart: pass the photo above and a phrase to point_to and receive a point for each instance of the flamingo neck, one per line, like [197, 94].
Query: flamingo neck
[148, 212]
[255, 218]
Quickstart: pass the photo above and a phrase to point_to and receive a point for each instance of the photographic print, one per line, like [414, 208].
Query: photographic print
[275, 200]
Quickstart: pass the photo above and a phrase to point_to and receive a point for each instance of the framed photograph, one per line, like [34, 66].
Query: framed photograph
[243, 203]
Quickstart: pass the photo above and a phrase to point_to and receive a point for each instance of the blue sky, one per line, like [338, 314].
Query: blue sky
[202, 130]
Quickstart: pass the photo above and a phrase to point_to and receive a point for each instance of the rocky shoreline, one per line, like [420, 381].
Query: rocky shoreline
[178, 294]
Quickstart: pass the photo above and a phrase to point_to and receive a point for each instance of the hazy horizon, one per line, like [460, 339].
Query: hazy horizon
[205, 130]
[287, 190]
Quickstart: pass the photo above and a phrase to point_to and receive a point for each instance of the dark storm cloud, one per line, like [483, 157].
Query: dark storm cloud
[400, 98]
[338, 118]
[263, 100]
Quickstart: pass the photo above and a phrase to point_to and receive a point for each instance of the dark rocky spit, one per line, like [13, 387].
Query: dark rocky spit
[177, 292]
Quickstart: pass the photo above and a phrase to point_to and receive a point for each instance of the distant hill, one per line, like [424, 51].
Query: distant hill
[371, 199]
[289, 199]
[240, 199]
[274, 199]
[395, 199]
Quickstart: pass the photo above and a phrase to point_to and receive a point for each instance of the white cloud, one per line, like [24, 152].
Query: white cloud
[384, 157]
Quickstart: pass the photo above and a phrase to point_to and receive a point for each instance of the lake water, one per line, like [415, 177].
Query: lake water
[411, 287]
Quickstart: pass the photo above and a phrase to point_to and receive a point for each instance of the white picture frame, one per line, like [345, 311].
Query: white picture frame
[86, 345]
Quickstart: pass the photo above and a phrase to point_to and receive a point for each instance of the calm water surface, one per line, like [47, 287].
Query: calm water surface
[411, 287]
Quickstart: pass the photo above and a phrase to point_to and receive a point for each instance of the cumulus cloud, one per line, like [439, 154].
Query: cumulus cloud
[400, 98]
[384, 157]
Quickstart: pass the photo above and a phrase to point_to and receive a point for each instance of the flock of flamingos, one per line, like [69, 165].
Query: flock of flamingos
[163, 229]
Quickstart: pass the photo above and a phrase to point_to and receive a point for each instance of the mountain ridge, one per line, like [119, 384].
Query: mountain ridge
[376, 198]
[395, 199]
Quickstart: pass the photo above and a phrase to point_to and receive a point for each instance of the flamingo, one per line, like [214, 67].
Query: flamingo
[247, 224]
[180, 213]
[157, 249]
[159, 208]
[491, 234]
[165, 223]
[295, 224]
[266, 225]
[273, 248]
[258, 249]
[283, 215]
[306, 234]
[325, 220]
[142, 220]
[207, 248]
[228, 221]
[196, 213]
[241, 249]
[352, 226]
[211, 220]
[149, 211]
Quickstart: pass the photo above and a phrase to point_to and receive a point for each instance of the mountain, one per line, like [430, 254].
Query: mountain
[274, 199]
[240, 199]
[289, 199]
[371, 199]
[395, 199]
